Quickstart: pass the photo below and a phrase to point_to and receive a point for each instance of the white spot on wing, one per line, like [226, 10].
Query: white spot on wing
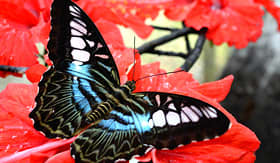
[79, 27]
[158, 100]
[159, 119]
[191, 114]
[184, 118]
[77, 63]
[145, 124]
[173, 118]
[205, 112]
[91, 43]
[103, 56]
[99, 45]
[76, 8]
[212, 109]
[211, 114]
[80, 55]
[168, 99]
[71, 8]
[196, 110]
[172, 107]
[151, 123]
[75, 14]
[75, 33]
[81, 22]
[77, 42]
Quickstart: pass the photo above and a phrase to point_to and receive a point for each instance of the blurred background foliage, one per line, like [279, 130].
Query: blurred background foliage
[209, 66]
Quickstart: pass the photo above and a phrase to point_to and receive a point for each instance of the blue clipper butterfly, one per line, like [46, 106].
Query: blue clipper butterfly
[82, 89]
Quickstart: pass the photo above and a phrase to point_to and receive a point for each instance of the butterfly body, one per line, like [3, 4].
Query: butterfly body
[82, 90]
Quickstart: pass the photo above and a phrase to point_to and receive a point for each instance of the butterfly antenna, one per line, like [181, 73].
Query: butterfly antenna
[159, 74]
[134, 62]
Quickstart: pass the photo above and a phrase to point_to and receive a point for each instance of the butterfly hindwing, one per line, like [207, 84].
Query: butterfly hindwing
[114, 138]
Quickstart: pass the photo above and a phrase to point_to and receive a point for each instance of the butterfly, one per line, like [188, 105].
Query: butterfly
[81, 93]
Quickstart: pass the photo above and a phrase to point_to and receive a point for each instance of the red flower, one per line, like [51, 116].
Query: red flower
[17, 100]
[272, 8]
[130, 14]
[34, 73]
[235, 22]
[18, 21]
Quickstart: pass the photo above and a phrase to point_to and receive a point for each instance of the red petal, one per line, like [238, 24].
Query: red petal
[20, 15]
[117, 15]
[138, 25]
[272, 8]
[35, 72]
[149, 83]
[16, 47]
[124, 59]
[217, 90]
[177, 13]
[63, 157]
[240, 23]
[41, 32]
[235, 22]
[20, 30]
[110, 33]
[135, 71]
[17, 132]
[40, 152]
[22, 94]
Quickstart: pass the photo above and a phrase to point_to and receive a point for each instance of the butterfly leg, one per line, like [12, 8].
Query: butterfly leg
[99, 112]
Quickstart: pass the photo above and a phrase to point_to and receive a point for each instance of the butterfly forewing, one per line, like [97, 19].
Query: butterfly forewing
[82, 75]
[177, 120]
[75, 39]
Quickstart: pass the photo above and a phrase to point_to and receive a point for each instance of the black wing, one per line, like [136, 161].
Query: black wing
[75, 38]
[170, 120]
[82, 76]
[178, 120]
